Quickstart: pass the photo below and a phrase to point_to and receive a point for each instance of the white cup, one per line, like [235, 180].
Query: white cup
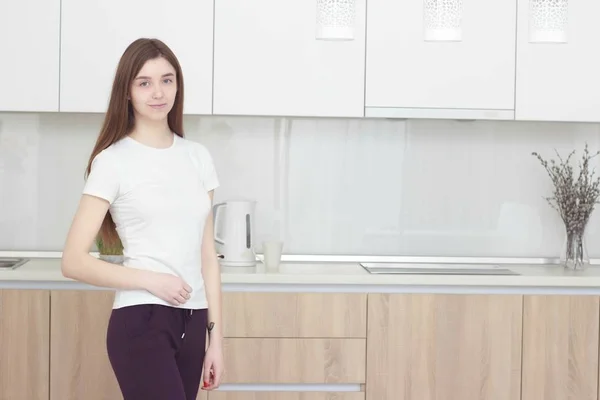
[272, 254]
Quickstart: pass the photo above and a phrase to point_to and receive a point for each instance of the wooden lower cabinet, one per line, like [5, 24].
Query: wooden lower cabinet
[223, 395]
[294, 360]
[560, 347]
[444, 347]
[417, 346]
[24, 344]
[294, 315]
[79, 367]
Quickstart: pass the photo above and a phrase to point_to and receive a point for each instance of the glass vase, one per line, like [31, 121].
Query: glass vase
[575, 254]
[113, 259]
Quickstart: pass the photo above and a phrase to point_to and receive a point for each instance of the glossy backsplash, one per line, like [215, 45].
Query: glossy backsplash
[326, 186]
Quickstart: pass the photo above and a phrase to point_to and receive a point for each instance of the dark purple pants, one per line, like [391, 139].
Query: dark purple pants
[150, 358]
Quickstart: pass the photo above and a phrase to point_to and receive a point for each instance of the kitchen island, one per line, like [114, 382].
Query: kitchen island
[325, 331]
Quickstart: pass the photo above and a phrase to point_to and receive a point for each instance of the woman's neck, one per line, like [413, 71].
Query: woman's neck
[152, 133]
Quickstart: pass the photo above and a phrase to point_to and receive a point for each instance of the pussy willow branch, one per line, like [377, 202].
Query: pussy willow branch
[574, 197]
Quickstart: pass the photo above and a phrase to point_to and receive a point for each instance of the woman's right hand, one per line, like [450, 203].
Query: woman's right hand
[169, 288]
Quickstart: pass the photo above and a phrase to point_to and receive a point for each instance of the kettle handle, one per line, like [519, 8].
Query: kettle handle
[216, 215]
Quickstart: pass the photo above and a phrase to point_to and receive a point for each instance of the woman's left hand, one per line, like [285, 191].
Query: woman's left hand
[213, 367]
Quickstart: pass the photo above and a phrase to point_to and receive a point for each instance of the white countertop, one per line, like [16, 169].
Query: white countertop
[330, 276]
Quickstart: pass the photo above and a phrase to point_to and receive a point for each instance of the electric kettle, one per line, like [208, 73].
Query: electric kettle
[234, 232]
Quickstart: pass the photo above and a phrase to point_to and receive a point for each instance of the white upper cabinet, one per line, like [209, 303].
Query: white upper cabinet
[558, 61]
[441, 59]
[96, 33]
[29, 43]
[268, 60]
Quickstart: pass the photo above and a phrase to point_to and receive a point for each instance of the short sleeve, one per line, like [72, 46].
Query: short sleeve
[209, 173]
[103, 178]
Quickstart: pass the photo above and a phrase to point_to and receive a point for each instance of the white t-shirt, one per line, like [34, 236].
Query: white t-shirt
[159, 203]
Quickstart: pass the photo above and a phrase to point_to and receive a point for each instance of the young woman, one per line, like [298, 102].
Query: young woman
[152, 190]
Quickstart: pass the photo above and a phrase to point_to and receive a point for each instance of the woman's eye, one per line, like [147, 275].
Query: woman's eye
[144, 83]
[168, 80]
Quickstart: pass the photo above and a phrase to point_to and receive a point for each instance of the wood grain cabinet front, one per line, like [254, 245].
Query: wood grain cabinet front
[294, 315]
[294, 360]
[24, 344]
[389, 346]
[79, 367]
[444, 346]
[560, 347]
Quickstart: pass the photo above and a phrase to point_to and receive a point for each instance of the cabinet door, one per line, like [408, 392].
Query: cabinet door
[298, 315]
[79, 367]
[471, 76]
[96, 33]
[269, 62]
[458, 347]
[294, 360]
[29, 51]
[560, 81]
[560, 348]
[24, 344]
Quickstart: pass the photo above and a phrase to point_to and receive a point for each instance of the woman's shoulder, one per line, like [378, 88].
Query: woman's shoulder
[106, 155]
[203, 162]
[197, 148]
[110, 155]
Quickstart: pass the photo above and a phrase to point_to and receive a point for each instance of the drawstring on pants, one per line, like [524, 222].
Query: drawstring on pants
[186, 318]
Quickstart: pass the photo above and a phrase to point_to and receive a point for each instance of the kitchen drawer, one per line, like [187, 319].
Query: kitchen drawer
[219, 395]
[288, 315]
[279, 360]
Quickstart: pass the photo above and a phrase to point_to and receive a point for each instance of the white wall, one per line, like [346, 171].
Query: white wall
[330, 186]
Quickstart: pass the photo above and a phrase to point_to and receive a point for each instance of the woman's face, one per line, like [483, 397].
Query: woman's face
[153, 90]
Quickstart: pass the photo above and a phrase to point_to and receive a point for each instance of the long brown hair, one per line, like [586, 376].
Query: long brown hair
[119, 119]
